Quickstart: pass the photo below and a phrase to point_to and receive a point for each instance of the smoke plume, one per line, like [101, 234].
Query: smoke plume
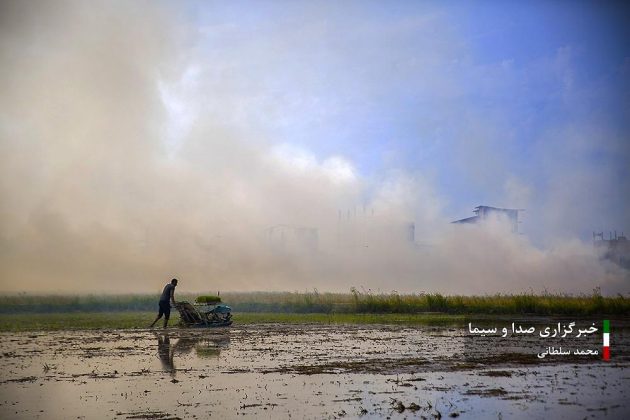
[126, 161]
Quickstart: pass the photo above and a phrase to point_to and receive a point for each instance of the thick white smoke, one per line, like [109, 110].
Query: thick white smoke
[122, 164]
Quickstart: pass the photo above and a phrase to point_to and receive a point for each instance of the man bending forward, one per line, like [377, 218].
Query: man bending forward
[168, 296]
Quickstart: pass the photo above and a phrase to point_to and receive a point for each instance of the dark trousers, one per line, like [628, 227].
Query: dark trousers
[165, 309]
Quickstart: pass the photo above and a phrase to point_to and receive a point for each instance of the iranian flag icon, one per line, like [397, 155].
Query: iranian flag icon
[606, 350]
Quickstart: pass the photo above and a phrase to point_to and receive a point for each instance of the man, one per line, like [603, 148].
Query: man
[168, 296]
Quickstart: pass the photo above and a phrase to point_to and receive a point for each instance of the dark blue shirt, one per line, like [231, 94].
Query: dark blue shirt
[166, 293]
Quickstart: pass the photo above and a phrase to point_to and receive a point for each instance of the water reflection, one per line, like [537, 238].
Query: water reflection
[165, 354]
[205, 347]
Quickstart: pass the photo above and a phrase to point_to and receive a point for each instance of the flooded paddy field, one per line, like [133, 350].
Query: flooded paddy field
[308, 371]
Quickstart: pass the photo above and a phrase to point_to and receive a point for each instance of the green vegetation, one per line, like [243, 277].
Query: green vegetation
[355, 302]
[27, 303]
[208, 299]
[346, 318]
[77, 321]
[133, 320]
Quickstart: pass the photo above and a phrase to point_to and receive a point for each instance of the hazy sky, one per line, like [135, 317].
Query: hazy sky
[505, 104]
[141, 141]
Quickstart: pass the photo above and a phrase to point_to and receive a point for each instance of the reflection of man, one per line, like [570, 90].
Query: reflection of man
[168, 296]
[167, 351]
[210, 347]
[165, 354]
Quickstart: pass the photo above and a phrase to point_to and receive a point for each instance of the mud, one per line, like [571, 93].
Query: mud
[304, 371]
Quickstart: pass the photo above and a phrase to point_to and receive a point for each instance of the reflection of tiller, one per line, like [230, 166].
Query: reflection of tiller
[206, 312]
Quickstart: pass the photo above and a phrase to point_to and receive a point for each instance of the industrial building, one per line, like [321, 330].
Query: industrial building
[286, 238]
[362, 229]
[485, 213]
[615, 248]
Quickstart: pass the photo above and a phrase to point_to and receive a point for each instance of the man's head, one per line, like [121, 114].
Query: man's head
[174, 282]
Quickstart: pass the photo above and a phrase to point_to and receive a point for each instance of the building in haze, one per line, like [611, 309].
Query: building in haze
[361, 228]
[615, 248]
[486, 213]
[287, 238]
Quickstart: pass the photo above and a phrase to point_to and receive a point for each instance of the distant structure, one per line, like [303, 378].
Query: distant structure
[410, 230]
[484, 213]
[288, 238]
[615, 248]
[360, 228]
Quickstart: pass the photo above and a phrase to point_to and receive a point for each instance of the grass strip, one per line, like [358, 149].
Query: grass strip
[77, 321]
[355, 302]
[137, 320]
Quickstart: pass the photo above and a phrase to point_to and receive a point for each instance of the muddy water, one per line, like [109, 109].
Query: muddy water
[304, 371]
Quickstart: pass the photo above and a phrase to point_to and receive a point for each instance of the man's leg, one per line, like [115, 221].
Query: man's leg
[160, 313]
[167, 314]
[156, 320]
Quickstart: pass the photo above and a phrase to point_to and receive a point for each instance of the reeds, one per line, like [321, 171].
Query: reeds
[357, 301]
